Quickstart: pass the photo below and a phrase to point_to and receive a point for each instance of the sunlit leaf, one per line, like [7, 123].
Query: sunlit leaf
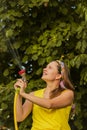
[6, 72]
[9, 33]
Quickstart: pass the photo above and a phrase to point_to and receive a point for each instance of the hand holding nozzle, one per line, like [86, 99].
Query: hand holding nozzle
[22, 73]
[21, 83]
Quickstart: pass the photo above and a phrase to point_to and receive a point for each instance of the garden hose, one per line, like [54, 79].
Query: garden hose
[15, 100]
[22, 74]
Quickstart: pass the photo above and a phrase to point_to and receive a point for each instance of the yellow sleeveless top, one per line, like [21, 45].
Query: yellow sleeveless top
[49, 119]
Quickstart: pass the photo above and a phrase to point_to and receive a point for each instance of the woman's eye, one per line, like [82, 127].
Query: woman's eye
[50, 67]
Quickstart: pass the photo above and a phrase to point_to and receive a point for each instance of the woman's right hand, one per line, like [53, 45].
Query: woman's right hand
[20, 84]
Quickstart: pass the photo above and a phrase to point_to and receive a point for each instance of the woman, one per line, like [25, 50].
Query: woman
[50, 106]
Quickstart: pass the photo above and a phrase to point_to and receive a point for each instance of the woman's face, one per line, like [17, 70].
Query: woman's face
[50, 73]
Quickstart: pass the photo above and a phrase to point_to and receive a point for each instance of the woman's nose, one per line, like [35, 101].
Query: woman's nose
[45, 69]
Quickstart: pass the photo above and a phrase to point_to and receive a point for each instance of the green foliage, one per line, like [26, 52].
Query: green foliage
[6, 111]
[42, 31]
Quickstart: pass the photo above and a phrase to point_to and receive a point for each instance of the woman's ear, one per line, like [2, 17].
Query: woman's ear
[59, 76]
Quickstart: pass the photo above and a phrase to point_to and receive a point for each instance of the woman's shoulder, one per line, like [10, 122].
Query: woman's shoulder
[68, 92]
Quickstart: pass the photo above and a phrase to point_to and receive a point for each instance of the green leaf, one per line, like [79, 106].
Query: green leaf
[35, 57]
[44, 42]
[39, 71]
[84, 46]
[79, 29]
[12, 3]
[41, 61]
[9, 33]
[29, 50]
[4, 106]
[6, 72]
[16, 45]
[59, 43]
[86, 15]
[48, 59]
[81, 46]
[25, 58]
[21, 2]
[19, 23]
[78, 45]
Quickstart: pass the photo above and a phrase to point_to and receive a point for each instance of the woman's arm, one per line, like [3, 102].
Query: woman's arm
[63, 100]
[22, 110]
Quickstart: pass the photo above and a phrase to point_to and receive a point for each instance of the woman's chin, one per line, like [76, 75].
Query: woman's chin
[43, 78]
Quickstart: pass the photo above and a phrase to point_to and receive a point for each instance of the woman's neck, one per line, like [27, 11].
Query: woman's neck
[51, 86]
[52, 90]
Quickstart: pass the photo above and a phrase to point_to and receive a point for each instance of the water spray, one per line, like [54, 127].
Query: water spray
[22, 73]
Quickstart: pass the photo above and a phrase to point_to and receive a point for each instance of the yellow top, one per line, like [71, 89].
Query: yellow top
[49, 119]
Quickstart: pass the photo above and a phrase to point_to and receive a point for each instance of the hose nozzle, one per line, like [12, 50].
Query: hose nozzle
[22, 73]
